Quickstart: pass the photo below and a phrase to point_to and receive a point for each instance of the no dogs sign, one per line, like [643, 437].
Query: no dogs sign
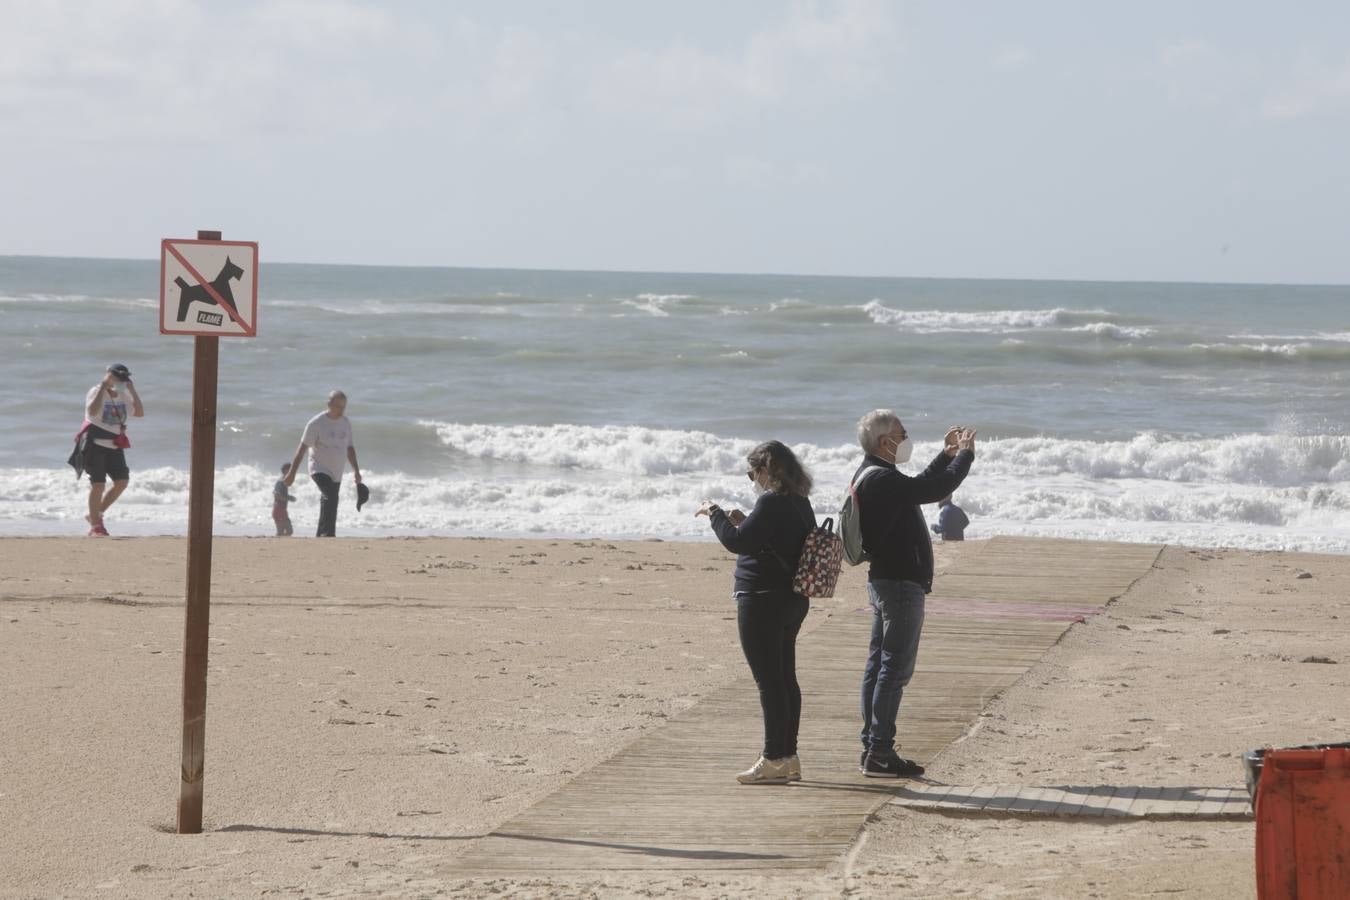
[208, 288]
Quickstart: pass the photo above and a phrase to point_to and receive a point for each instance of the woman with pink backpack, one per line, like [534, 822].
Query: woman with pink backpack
[769, 610]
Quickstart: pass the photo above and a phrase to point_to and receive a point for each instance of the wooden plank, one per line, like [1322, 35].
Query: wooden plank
[669, 801]
[1119, 804]
[1126, 801]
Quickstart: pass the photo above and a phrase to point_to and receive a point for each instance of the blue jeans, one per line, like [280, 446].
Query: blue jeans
[897, 620]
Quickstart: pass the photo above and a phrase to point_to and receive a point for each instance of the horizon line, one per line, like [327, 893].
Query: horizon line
[705, 273]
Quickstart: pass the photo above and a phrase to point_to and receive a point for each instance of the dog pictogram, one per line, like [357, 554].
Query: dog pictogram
[190, 293]
[223, 306]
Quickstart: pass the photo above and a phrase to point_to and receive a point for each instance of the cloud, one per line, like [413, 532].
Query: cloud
[1011, 58]
[186, 71]
[763, 174]
[1188, 53]
[478, 76]
[812, 54]
[329, 25]
[180, 70]
[1196, 73]
[1314, 89]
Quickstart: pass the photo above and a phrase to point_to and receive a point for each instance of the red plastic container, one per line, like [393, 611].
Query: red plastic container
[1303, 825]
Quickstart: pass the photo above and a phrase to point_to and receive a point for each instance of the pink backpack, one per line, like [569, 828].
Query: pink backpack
[822, 557]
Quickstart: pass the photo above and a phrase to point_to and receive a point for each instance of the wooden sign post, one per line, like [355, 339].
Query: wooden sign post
[201, 485]
[197, 625]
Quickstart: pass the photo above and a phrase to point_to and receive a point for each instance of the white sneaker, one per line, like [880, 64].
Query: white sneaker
[766, 771]
[794, 767]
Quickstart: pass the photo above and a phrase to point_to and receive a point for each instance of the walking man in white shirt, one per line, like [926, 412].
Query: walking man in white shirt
[329, 438]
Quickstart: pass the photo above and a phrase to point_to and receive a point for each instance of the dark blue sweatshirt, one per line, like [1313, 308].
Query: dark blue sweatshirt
[951, 523]
[894, 531]
[778, 521]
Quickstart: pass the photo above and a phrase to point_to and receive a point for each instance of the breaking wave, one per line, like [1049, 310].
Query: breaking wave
[1257, 491]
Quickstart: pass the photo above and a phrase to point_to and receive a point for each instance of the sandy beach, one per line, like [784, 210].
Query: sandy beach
[496, 296]
[377, 706]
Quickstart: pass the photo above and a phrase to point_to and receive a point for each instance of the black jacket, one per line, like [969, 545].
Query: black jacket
[769, 541]
[894, 530]
[88, 432]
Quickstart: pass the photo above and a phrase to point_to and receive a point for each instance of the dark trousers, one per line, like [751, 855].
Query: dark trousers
[768, 624]
[328, 504]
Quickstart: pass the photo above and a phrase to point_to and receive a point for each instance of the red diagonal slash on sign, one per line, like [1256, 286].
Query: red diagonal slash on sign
[207, 286]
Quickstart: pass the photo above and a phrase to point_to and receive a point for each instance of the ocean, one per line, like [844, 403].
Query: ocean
[607, 404]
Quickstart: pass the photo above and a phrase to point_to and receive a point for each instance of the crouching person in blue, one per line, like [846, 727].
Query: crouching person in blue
[769, 614]
[900, 575]
[952, 521]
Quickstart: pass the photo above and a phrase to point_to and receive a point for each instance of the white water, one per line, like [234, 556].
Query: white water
[1252, 491]
[609, 404]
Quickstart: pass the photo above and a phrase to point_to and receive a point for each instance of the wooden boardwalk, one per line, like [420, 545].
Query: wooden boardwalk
[1101, 801]
[669, 801]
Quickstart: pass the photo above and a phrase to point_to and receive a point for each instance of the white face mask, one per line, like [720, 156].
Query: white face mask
[903, 450]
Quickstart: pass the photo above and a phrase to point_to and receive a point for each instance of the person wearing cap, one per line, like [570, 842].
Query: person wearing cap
[329, 438]
[105, 421]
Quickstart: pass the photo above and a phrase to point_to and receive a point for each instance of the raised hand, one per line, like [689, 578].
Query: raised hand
[949, 441]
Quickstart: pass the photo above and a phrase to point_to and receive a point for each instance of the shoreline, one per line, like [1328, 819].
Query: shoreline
[1253, 491]
[700, 539]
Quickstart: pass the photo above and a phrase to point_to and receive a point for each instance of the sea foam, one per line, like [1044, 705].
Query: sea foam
[1257, 491]
[936, 321]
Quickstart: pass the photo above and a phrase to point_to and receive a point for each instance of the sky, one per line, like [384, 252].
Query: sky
[1154, 141]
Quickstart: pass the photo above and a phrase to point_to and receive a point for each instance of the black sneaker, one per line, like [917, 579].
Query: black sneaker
[877, 765]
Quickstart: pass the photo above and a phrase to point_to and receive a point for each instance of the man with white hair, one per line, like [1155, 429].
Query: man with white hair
[328, 437]
[895, 540]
